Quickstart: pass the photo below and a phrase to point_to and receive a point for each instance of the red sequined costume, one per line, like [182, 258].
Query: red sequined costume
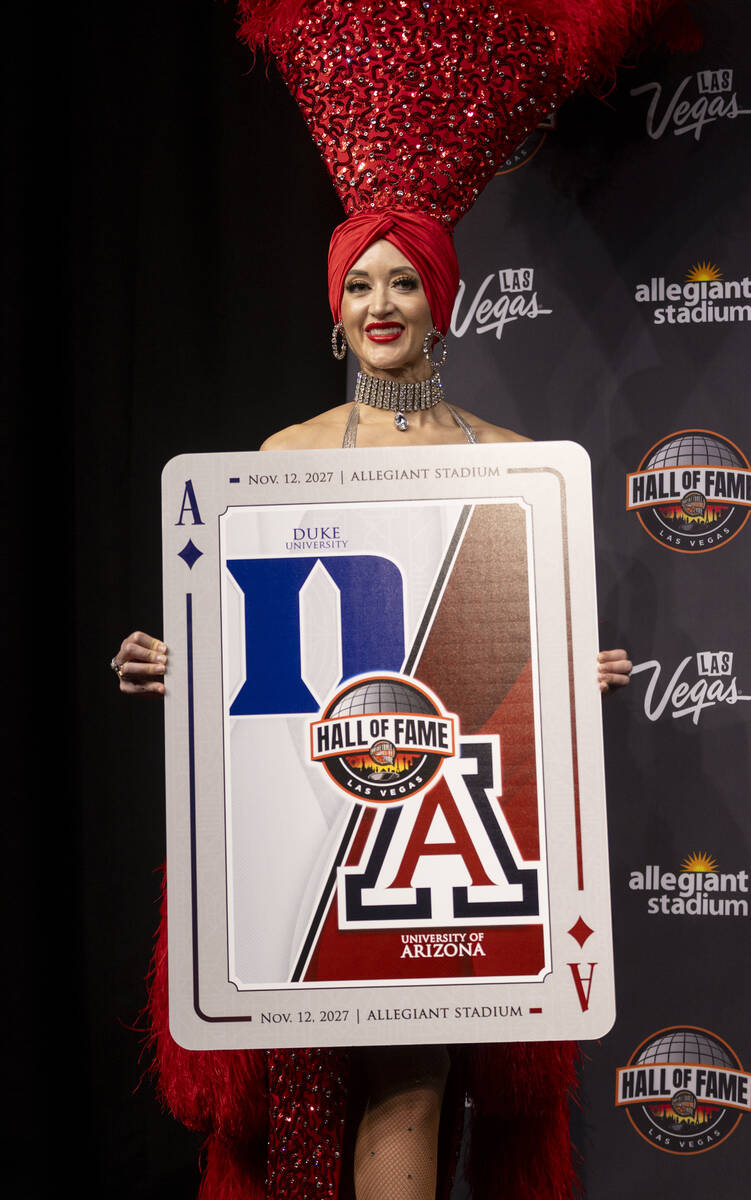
[414, 104]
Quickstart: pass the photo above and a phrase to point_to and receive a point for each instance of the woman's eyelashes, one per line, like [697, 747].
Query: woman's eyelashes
[406, 283]
[403, 283]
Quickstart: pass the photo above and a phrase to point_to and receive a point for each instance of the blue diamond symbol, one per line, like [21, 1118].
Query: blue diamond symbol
[189, 553]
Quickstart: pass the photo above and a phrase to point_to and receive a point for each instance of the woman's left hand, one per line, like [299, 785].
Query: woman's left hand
[613, 669]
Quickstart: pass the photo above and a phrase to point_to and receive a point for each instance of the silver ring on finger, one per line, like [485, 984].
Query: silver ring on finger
[115, 666]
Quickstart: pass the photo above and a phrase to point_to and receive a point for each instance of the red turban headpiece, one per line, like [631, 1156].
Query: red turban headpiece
[422, 240]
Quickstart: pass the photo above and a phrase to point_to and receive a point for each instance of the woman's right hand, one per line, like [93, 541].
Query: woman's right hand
[141, 663]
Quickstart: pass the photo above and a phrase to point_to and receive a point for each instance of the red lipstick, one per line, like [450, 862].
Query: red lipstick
[384, 331]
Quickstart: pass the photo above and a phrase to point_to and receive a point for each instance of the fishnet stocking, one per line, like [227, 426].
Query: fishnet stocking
[397, 1142]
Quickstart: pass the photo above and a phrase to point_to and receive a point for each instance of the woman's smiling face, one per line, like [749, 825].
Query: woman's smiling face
[385, 314]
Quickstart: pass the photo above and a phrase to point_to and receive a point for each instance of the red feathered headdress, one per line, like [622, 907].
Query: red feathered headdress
[414, 104]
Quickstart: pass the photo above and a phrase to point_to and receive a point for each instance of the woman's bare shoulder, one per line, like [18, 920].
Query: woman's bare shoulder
[324, 431]
[486, 432]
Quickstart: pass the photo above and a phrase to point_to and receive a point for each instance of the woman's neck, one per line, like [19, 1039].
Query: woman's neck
[409, 373]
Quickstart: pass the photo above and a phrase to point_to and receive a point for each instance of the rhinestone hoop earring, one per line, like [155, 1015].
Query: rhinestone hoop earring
[339, 351]
[428, 346]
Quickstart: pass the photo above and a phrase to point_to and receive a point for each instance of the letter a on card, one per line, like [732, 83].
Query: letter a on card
[583, 983]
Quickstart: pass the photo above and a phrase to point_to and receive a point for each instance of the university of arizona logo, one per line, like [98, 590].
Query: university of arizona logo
[447, 861]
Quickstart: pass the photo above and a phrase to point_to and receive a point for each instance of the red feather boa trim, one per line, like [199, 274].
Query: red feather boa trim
[597, 33]
[220, 1092]
[520, 1143]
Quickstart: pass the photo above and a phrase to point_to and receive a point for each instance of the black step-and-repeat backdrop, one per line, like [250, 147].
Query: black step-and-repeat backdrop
[166, 245]
[606, 297]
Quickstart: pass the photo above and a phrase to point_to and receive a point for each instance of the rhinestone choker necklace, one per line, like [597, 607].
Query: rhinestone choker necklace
[397, 396]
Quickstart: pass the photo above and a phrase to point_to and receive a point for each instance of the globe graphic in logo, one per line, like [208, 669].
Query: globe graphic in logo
[684, 1122]
[382, 696]
[686, 1046]
[690, 521]
[695, 449]
[379, 739]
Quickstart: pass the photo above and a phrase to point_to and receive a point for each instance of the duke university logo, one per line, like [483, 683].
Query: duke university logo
[303, 627]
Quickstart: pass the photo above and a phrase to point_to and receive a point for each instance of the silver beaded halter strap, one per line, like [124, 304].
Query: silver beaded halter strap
[399, 398]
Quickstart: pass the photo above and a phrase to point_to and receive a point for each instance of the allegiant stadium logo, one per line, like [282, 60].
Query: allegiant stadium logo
[691, 491]
[383, 738]
[684, 1090]
[703, 298]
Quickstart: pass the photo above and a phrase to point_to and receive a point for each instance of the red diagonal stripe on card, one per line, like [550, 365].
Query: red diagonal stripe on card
[514, 720]
[479, 640]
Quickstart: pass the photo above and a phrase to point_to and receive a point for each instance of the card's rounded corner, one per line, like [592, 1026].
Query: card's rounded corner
[187, 1033]
[601, 1030]
[578, 451]
[175, 465]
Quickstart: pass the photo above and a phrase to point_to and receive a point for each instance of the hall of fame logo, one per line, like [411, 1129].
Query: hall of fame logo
[383, 738]
[684, 1090]
[691, 491]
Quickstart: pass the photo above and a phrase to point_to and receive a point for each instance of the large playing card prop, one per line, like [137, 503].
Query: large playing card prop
[385, 799]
